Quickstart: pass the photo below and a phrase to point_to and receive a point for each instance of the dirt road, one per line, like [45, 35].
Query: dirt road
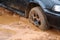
[14, 27]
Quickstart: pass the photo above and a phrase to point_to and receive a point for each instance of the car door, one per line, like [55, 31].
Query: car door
[17, 4]
[21, 4]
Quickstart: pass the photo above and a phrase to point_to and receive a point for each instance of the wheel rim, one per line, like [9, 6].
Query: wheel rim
[34, 18]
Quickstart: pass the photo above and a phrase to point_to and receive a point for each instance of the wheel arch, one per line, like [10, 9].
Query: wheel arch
[33, 4]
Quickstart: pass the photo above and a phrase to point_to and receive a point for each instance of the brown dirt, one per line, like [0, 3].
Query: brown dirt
[14, 27]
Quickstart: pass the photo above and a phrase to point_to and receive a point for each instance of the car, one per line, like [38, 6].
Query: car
[42, 13]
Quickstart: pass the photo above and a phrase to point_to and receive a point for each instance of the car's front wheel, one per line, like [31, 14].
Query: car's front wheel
[37, 17]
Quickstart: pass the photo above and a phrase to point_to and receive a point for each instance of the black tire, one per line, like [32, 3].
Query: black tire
[37, 17]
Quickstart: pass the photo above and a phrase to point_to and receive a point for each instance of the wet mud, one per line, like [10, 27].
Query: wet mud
[15, 27]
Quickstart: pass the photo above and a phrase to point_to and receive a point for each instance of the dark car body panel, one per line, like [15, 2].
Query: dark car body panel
[21, 3]
[46, 5]
[53, 18]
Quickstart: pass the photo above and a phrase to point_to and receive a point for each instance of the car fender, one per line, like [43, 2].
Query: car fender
[40, 3]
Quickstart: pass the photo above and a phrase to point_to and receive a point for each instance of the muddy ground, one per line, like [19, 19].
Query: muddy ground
[15, 27]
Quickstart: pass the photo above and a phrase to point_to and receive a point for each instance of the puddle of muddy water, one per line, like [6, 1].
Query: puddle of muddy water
[8, 19]
[5, 18]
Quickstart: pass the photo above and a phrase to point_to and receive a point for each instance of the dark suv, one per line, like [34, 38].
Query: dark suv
[42, 13]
